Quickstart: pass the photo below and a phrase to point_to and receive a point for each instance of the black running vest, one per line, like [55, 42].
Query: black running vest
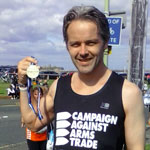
[87, 122]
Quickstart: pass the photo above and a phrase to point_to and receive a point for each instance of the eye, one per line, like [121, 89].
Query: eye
[91, 43]
[75, 44]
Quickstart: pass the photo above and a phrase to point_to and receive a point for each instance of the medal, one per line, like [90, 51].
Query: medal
[32, 71]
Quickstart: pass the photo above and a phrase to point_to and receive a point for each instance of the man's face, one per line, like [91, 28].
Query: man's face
[85, 46]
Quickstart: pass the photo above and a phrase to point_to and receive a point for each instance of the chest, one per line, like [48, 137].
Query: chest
[89, 121]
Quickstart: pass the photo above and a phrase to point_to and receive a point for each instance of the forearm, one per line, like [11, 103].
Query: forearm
[30, 118]
[27, 113]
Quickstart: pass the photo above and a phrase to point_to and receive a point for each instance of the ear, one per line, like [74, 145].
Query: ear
[67, 46]
[105, 45]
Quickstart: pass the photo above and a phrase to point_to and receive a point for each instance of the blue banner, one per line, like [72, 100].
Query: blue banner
[115, 27]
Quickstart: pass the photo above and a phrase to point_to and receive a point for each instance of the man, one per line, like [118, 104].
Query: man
[94, 108]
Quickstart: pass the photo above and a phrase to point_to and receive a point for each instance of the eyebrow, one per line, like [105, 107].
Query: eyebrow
[87, 41]
[93, 40]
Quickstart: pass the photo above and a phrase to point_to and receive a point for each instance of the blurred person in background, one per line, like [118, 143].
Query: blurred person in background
[36, 140]
[11, 91]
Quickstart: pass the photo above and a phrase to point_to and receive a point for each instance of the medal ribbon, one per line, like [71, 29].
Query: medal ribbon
[29, 94]
[38, 108]
[29, 85]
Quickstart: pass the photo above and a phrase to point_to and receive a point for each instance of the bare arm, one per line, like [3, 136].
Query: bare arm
[46, 104]
[134, 120]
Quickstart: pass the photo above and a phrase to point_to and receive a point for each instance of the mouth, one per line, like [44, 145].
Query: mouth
[84, 61]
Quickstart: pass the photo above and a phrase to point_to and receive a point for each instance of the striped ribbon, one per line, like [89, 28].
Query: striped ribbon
[29, 85]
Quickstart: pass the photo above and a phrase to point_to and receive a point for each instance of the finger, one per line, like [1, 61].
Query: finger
[30, 60]
[22, 69]
[24, 64]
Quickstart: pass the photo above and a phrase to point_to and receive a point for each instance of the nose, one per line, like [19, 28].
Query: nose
[83, 50]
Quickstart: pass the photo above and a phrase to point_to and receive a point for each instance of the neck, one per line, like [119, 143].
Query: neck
[94, 76]
[86, 84]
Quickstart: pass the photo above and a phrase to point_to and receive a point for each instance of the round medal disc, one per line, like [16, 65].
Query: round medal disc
[32, 71]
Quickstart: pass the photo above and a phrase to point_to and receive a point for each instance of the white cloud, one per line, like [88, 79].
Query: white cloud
[34, 27]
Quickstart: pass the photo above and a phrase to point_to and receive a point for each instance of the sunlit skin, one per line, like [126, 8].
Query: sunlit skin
[85, 46]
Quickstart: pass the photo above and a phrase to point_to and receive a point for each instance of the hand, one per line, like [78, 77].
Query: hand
[22, 69]
[22, 124]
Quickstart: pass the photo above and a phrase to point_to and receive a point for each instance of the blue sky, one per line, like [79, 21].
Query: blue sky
[34, 28]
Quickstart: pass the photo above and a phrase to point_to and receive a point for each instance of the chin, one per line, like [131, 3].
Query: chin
[84, 69]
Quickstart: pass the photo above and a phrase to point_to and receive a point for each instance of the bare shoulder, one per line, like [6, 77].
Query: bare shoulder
[131, 95]
[50, 96]
[131, 89]
[134, 116]
[52, 89]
